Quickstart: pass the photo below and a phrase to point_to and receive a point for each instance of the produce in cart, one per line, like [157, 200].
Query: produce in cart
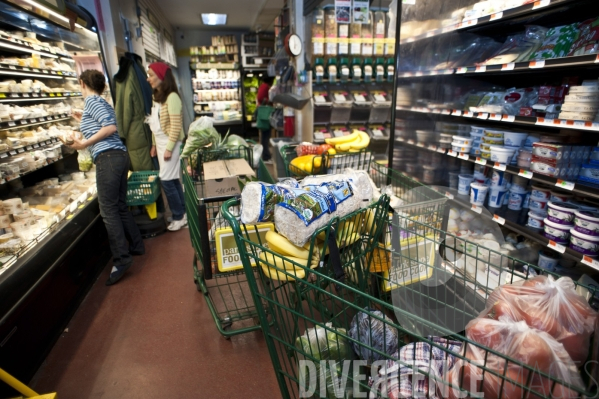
[353, 142]
[373, 332]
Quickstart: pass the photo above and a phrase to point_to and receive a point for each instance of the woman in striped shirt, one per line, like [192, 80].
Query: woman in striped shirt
[98, 126]
[167, 127]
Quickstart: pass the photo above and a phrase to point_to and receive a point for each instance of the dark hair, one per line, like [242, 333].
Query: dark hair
[93, 79]
[268, 80]
[166, 87]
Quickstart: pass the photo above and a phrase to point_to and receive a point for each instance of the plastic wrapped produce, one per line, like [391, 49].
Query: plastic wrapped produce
[548, 305]
[84, 158]
[298, 218]
[373, 333]
[324, 344]
[258, 201]
[518, 341]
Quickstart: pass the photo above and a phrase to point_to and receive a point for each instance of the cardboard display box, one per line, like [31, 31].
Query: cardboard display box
[221, 177]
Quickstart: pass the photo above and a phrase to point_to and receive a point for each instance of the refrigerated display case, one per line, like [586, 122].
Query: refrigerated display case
[53, 242]
[498, 100]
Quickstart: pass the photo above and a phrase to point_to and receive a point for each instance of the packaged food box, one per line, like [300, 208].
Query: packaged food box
[545, 168]
[580, 107]
[550, 150]
[589, 173]
[584, 89]
[577, 116]
[550, 161]
[582, 98]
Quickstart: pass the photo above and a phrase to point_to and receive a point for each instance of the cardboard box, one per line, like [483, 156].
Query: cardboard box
[221, 177]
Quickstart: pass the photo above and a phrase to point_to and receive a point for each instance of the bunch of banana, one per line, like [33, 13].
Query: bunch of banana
[353, 142]
[288, 253]
[307, 163]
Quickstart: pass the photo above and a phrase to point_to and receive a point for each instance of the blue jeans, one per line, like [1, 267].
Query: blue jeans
[174, 196]
[111, 179]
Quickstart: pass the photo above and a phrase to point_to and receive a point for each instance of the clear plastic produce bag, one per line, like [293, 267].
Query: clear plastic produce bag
[373, 333]
[548, 305]
[520, 342]
[200, 134]
[84, 158]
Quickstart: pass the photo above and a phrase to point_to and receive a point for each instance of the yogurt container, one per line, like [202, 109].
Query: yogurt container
[539, 192]
[548, 260]
[524, 158]
[514, 139]
[559, 233]
[499, 178]
[560, 197]
[478, 193]
[584, 243]
[494, 133]
[496, 196]
[561, 212]
[501, 154]
[537, 205]
[516, 200]
[586, 222]
[583, 207]
[464, 184]
[535, 220]
[530, 140]
[462, 141]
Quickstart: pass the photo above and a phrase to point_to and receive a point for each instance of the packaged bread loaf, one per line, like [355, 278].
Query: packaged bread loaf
[359, 179]
[258, 201]
[312, 208]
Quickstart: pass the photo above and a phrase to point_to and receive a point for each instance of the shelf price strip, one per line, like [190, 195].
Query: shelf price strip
[556, 247]
[499, 219]
[590, 262]
[566, 185]
[525, 173]
[478, 209]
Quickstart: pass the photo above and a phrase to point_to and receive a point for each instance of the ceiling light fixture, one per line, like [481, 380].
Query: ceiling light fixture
[214, 19]
[51, 12]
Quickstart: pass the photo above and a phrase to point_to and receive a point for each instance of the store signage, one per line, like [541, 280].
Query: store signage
[227, 252]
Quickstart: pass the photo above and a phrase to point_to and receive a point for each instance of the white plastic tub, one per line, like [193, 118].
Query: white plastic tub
[514, 139]
[556, 232]
[584, 243]
[457, 147]
[462, 141]
[535, 220]
[501, 154]
[561, 212]
[587, 222]
[540, 193]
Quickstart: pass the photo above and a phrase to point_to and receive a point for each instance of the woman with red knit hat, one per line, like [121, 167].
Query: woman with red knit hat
[166, 123]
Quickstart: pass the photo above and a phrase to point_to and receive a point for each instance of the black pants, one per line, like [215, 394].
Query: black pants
[265, 141]
[111, 179]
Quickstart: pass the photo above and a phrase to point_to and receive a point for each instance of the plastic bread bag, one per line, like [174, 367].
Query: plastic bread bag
[359, 179]
[258, 201]
[330, 345]
[373, 333]
[548, 305]
[312, 208]
[515, 340]
[509, 52]
[557, 43]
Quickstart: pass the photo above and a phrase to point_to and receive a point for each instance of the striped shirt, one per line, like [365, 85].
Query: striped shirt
[97, 113]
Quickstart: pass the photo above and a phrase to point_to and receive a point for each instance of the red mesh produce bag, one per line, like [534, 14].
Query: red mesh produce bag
[518, 341]
[548, 305]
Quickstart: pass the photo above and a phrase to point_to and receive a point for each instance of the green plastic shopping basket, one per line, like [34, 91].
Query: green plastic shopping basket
[227, 293]
[143, 188]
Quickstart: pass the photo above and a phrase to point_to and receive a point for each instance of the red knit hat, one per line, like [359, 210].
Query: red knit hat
[159, 69]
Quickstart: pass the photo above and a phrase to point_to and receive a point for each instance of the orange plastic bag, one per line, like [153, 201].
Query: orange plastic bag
[548, 305]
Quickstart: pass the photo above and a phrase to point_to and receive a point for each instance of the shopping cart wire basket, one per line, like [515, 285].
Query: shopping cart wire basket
[226, 292]
[325, 164]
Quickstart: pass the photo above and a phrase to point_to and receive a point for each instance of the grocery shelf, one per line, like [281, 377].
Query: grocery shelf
[507, 119]
[17, 124]
[21, 150]
[227, 123]
[16, 44]
[591, 60]
[21, 97]
[512, 13]
[15, 70]
[580, 189]
[216, 101]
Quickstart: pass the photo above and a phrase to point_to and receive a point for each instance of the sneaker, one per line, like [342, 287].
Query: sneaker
[170, 218]
[177, 225]
[117, 273]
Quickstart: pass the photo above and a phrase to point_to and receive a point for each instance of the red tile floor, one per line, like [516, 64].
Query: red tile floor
[152, 336]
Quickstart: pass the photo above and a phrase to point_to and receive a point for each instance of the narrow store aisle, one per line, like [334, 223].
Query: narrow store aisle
[152, 336]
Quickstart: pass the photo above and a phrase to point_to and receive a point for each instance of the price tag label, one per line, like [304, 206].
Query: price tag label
[45, 71]
[28, 148]
[540, 4]
[25, 95]
[452, 153]
[14, 95]
[53, 72]
[463, 156]
[430, 33]
[20, 150]
[23, 122]
[35, 95]
[73, 206]
[33, 120]
[36, 146]
[51, 94]
[597, 59]
[536, 64]
[499, 166]
[13, 152]
[44, 95]
[432, 147]
[11, 123]
[499, 219]
[481, 69]
[42, 119]
[508, 67]
[495, 117]
[470, 22]
[448, 195]
[441, 150]
[477, 208]
[59, 72]
[525, 173]
[436, 111]
[456, 112]
[36, 70]
[26, 69]
[483, 115]
[410, 141]
[419, 73]
[14, 68]
[590, 262]
[496, 16]
[461, 70]
[566, 185]
[400, 139]
[556, 247]
[468, 114]
[445, 112]
[480, 161]
[420, 144]
[4, 155]
[508, 118]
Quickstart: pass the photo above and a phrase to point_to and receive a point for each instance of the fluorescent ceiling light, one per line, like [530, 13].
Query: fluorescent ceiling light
[214, 19]
[51, 12]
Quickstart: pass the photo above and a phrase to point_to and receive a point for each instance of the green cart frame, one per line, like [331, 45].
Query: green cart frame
[227, 294]
[319, 301]
[332, 163]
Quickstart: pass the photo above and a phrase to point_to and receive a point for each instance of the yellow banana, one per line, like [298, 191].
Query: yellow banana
[363, 143]
[350, 239]
[345, 147]
[280, 244]
[344, 139]
[282, 263]
[368, 222]
[274, 274]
